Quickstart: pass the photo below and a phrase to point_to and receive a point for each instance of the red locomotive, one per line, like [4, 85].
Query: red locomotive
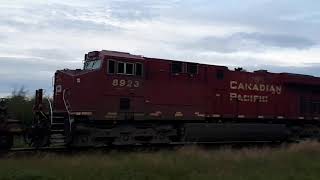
[124, 99]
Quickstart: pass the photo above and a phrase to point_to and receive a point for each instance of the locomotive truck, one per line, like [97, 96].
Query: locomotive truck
[124, 99]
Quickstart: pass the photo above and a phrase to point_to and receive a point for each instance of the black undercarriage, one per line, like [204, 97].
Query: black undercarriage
[79, 131]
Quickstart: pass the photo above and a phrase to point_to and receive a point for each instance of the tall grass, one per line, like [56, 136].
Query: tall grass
[297, 161]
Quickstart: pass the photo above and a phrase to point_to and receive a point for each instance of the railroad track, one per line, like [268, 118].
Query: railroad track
[43, 149]
[14, 152]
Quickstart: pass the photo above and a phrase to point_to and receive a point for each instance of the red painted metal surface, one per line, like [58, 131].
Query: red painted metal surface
[212, 92]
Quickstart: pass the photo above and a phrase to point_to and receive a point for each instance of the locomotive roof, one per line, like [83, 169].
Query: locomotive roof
[128, 55]
[140, 57]
[121, 54]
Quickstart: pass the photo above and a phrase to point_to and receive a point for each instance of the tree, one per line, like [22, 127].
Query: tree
[20, 106]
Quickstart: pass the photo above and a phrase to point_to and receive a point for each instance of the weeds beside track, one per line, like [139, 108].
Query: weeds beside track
[295, 161]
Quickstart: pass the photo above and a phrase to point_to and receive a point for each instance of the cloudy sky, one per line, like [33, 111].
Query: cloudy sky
[37, 36]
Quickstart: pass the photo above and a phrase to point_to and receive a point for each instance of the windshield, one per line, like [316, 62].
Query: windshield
[91, 65]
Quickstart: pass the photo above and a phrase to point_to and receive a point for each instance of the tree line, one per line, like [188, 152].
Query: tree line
[20, 105]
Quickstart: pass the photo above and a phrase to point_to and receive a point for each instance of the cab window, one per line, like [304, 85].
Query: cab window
[92, 65]
[129, 69]
[125, 68]
[111, 67]
[192, 68]
[121, 68]
[176, 67]
[220, 75]
[139, 69]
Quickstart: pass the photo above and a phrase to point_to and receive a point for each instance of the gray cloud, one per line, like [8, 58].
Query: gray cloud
[97, 18]
[54, 54]
[55, 17]
[313, 70]
[249, 41]
[3, 37]
[29, 69]
[30, 85]
[31, 73]
[277, 40]
[267, 16]
[140, 9]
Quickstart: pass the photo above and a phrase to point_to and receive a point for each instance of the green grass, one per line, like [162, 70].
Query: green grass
[298, 161]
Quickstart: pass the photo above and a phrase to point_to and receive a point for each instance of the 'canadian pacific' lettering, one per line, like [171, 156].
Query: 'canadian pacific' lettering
[254, 87]
[248, 98]
[274, 89]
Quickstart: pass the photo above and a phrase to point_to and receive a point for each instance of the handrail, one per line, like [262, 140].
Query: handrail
[65, 104]
[64, 101]
[51, 111]
[50, 106]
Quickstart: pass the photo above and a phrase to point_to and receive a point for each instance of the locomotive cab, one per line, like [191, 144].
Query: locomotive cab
[124, 86]
[107, 78]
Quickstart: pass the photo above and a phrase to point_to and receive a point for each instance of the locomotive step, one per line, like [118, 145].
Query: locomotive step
[58, 120]
[57, 123]
[57, 126]
[58, 144]
[59, 113]
[57, 141]
[57, 130]
[57, 135]
[58, 117]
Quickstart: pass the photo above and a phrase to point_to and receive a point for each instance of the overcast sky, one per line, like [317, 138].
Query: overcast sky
[37, 36]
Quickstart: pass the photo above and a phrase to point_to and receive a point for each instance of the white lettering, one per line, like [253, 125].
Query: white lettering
[273, 89]
[233, 85]
[248, 98]
[125, 83]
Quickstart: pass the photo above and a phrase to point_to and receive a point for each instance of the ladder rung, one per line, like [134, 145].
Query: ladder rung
[57, 123]
[58, 144]
[57, 136]
[57, 130]
[58, 117]
[57, 141]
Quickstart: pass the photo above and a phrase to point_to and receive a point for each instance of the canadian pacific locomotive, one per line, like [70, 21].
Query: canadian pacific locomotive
[124, 99]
